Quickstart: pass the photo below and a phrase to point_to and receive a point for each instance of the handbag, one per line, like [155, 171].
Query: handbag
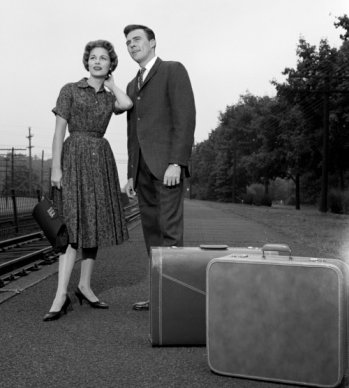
[51, 222]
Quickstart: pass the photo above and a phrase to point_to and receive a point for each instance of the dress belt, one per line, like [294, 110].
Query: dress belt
[86, 134]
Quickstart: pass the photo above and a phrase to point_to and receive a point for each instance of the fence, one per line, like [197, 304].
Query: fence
[23, 174]
[16, 214]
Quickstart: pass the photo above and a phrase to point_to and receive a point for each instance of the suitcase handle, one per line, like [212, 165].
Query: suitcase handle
[213, 247]
[282, 249]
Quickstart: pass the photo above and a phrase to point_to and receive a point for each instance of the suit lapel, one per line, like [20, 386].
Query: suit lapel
[132, 87]
[133, 84]
[152, 72]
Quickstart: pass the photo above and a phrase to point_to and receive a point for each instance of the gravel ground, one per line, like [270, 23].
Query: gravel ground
[110, 348]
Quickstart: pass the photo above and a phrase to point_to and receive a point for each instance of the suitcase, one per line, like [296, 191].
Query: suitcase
[178, 291]
[278, 320]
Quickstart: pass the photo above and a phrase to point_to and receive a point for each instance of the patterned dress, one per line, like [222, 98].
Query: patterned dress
[91, 196]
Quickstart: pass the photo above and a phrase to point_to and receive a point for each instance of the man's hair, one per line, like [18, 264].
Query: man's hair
[131, 27]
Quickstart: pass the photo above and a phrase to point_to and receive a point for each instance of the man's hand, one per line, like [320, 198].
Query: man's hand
[172, 175]
[129, 188]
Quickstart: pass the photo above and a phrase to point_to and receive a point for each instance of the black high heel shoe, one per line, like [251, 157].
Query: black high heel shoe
[53, 315]
[96, 305]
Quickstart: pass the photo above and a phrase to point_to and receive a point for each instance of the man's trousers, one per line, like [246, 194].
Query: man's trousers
[161, 209]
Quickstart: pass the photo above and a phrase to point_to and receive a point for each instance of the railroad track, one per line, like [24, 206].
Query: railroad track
[25, 225]
[22, 255]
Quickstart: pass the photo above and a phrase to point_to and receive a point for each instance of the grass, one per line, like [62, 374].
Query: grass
[328, 233]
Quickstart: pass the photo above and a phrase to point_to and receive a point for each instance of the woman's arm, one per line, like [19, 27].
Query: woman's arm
[57, 146]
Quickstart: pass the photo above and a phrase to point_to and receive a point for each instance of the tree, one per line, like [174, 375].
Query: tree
[312, 89]
[202, 176]
[288, 136]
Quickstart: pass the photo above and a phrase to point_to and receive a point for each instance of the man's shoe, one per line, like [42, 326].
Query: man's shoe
[141, 306]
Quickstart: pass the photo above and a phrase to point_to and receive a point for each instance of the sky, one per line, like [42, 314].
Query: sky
[229, 47]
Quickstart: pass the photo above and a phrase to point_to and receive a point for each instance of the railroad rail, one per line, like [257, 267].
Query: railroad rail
[19, 256]
[24, 224]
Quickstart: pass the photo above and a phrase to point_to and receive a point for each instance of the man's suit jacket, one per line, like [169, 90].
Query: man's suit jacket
[162, 121]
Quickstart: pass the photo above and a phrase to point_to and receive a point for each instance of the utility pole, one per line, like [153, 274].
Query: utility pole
[30, 161]
[6, 177]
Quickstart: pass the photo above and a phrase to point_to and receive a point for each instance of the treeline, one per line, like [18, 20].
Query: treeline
[301, 136]
[25, 177]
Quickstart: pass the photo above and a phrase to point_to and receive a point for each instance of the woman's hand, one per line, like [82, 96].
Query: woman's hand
[122, 100]
[110, 83]
[56, 177]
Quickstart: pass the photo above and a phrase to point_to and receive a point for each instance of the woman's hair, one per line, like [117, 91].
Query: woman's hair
[100, 43]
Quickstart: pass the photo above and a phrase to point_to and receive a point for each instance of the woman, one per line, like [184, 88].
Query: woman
[83, 167]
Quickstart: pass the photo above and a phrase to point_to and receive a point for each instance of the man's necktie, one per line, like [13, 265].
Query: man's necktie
[140, 77]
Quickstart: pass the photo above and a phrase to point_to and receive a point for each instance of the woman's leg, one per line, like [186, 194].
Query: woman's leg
[87, 264]
[65, 267]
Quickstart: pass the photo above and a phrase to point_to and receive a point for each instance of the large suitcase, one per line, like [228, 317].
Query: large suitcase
[178, 290]
[278, 320]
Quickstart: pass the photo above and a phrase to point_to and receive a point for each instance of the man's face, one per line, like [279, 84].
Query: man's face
[140, 48]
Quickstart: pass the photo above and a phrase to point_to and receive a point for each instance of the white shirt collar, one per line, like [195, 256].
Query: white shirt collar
[148, 66]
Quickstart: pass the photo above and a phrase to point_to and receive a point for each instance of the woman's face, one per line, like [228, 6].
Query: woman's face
[99, 62]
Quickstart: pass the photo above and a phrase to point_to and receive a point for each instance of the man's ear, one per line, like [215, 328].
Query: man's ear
[152, 43]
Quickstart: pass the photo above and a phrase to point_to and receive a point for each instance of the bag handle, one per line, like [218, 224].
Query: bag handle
[278, 248]
[213, 247]
[49, 195]
[282, 249]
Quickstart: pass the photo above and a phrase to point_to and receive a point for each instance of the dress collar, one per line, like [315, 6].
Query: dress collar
[83, 84]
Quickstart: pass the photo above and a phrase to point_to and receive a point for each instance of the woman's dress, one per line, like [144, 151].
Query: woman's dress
[91, 196]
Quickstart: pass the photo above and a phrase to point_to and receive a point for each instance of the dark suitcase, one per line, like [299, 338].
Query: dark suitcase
[278, 320]
[178, 291]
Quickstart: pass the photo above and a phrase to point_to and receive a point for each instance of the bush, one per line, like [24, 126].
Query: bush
[335, 201]
[291, 201]
[255, 195]
[266, 200]
[247, 198]
[338, 201]
[280, 189]
[346, 202]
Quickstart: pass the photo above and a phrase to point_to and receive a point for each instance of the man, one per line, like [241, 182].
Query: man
[160, 130]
